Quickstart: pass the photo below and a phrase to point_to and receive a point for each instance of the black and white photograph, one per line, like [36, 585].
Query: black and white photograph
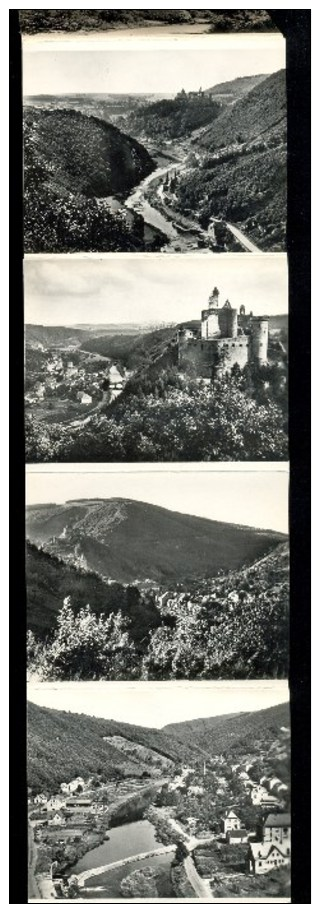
[175, 146]
[146, 22]
[157, 575]
[159, 792]
[153, 363]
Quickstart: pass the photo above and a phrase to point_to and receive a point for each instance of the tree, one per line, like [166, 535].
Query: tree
[87, 647]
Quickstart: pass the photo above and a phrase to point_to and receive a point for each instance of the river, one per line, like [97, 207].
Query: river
[124, 841]
[138, 202]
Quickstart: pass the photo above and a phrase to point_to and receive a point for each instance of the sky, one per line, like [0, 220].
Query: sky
[148, 70]
[138, 289]
[258, 498]
[155, 704]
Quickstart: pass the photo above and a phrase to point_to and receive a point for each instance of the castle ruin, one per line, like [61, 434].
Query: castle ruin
[225, 338]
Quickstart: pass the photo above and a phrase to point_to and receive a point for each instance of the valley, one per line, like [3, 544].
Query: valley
[119, 589]
[93, 394]
[213, 180]
[106, 825]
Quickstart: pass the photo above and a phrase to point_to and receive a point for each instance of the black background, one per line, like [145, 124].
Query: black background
[296, 27]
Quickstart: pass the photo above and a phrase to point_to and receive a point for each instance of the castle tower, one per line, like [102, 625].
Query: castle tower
[214, 298]
[228, 321]
[210, 317]
[259, 340]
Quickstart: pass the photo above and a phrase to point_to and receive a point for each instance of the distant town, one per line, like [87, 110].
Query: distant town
[173, 818]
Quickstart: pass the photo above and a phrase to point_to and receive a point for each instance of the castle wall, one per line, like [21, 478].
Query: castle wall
[198, 357]
[232, 351]
[228, 322]
[210, 324]
[259, 340]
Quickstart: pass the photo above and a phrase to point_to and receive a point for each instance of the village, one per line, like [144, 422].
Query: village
[186, 804]
[62, 382]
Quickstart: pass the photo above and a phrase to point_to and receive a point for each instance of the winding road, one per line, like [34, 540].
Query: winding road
[201, 888]
[33, 889]
[139, 202]
[249, 246]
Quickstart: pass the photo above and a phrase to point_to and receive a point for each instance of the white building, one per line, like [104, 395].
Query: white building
[230, 822]
[266, 856]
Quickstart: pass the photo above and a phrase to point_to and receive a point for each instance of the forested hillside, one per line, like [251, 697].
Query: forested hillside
[125, 539]
[220, 733]
[234, 626]
[242, 177]
[257, 111]
[50, 581]
[174, 119]
[70, 162]
[64, 745]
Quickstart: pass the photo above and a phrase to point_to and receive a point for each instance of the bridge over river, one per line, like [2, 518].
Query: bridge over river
[100, 870]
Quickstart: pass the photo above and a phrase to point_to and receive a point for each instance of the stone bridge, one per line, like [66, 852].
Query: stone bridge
[99, 870]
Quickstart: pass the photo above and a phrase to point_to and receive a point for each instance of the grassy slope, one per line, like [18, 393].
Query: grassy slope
[129, 540]
[64, 745]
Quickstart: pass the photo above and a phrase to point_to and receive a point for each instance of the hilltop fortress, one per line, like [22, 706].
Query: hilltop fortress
[225, 338]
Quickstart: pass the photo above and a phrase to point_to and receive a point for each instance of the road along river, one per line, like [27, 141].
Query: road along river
[139, 202]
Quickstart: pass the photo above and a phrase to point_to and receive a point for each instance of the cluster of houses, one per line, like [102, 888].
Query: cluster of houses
[274, 849]
[105, 384]
[60, 808]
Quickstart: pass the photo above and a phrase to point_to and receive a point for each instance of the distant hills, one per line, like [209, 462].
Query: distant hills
[62, 745]
[232, 137]
[127, 540]
[221, 732]
[229, 92]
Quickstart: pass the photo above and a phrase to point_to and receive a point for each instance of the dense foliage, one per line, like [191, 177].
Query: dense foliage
[235, 626]
[50, 580]
[38, 20]
[176, 118]
[71, 162]
[64, 745]
[172, 417]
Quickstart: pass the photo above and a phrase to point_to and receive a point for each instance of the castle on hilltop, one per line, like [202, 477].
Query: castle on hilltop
[225, 338]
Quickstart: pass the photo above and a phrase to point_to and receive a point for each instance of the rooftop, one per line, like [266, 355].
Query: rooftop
[261, 851]
[278, 819]
[238, 833]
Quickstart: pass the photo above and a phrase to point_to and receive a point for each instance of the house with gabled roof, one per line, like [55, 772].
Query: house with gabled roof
[266, 856]
[58, 820]
[230, 822]
[277, 828]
